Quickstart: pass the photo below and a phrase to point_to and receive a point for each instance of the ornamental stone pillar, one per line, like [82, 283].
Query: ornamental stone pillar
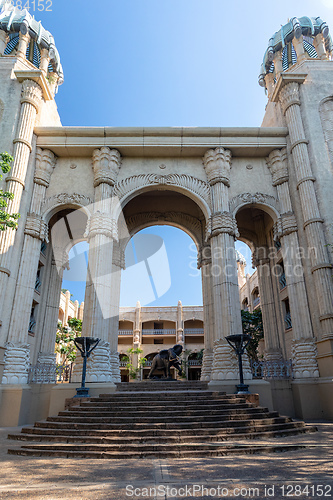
[321, 268]
[304, 349]
[46, 354]
[205, 263]
[31, 98]
[35, 233]
[3, 42]
[102, 235]
[24, 40]
[137, 326]
[180, 338]
[68, 299]
[222, 232]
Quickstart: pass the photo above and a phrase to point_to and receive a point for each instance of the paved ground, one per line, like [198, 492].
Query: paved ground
[302, 474]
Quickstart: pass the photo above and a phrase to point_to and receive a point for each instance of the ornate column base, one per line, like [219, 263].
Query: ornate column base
[273, 356]
[207, 365]
[115, 369]
[304, 357]
[224, 362]
[16, 370]
[99, 364]
[47, 358]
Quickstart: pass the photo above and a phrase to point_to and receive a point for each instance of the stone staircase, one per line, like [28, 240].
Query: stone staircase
[159, 420]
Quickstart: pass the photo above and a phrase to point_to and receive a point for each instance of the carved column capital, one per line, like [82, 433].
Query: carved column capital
[102, 223]
[106, 165]
[289, 95]
[36, 227]
[45, 163]
[31, 93]
[223, 222]
[217, 164]
[277, 163]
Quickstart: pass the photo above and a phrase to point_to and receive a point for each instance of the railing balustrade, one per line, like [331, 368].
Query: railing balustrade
[287, 320]
[49, 373]
[158, 332]
[272, 369]
[193, 331]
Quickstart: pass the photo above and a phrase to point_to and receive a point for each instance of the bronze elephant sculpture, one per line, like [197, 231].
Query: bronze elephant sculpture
[164, 360]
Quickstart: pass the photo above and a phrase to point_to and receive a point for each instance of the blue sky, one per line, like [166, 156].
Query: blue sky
[166, 63]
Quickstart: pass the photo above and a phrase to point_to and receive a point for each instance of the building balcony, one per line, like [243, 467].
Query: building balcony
[158, 332]
[193, 331]
[125, 332]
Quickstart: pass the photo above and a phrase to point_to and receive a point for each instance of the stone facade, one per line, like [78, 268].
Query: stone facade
[269, 186]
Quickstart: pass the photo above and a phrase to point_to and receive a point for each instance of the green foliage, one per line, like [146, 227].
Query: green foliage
[252, 325]
[6, 220]
[65, 339]
[133, 370]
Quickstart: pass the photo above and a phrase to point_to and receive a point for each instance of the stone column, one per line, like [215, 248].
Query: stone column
[24, 40]
[68, 298]
[137, 326]
[76, 309]
[312, 221]
[47, 354]
[222, 233]
[15, 181]
[319, 45]
[277, 59]
[81, 311]
[35, 232]
[268, 304]
[304, 350]
[3, 42]
[205, 263]
[299, 48]
[44, 61]
[102, 234]
[180, 339]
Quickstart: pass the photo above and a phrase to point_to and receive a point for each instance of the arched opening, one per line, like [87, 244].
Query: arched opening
[262, 290]
[61, 278]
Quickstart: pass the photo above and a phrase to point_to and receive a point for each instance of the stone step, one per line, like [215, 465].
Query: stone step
[231, 421]
[226, 427]
[218, 416]
[161, 385]
[242, 433]
[146, 414]
[170, 396]
[167, 409]
[177, 452]
[159, 404]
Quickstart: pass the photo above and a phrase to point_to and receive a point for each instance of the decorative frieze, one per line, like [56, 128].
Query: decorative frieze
[65, 199]
[17, 364]
[253, 198]
[304, 358]
[106, 165]
[188, 182]
[217, 164]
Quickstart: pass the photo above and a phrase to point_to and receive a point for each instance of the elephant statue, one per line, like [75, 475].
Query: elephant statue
[164, 360]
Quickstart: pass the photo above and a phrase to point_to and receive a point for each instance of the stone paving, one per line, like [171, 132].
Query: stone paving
[260, 476]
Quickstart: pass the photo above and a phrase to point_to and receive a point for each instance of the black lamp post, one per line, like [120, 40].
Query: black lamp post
[86, 345]
[239, 343]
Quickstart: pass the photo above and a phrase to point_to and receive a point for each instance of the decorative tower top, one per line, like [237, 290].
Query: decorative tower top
[15, 24]
[299, 39]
